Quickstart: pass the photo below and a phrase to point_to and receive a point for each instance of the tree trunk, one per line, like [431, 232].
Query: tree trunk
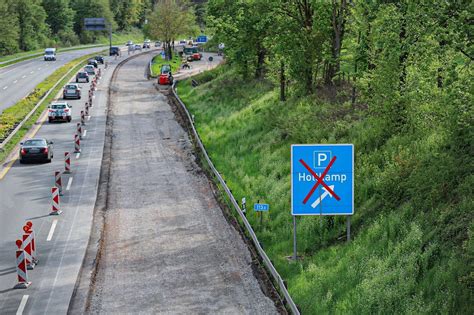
[282, 81]
[338, 24]
[260, 69]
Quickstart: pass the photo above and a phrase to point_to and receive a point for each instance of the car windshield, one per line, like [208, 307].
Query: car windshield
[58, 106]
[71, 87]
[82, 74]
[35, 142]
[49, 53]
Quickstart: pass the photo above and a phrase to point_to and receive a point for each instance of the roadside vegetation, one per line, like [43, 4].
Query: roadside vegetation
[13, 115]
[29, 25]
[157, 62]
[394, 79]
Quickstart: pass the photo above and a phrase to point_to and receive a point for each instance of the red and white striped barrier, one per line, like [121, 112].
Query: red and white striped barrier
[90, 102]
[28, 248]
[58, 182]
[77, 144]
[87, 109]
[67, 163]
[28, 229]
[83, 118]
[55, 201]
[79, 130]
[21, 270]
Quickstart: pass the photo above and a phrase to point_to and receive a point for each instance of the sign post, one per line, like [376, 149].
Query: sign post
[98, 24]
[329, 167]
[260, 207]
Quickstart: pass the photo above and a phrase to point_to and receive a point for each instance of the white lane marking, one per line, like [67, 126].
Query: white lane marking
[78, 155]
[22, 305]
[39, 68]
[32, 72]
[85, 133]
[23, 77]
[51, 231]
[5, 87]
[15, 81]
[89, 117]
[69, 183]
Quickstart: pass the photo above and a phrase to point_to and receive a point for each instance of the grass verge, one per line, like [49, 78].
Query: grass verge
[17, 112]
[412, 247]
[157, 62]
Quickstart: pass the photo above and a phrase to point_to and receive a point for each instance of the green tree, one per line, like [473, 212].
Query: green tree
[9, 28]
[169, 20]
[60, 18]
[34, 31]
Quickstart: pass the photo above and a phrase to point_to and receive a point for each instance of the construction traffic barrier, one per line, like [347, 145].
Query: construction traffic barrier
[28, 229]
[28, 248]
[55, 201]
[83, 116]
[79, 130]
[90, 102]
[67, 163]
[58, 182]
[21, 270]
[77, 144]
[87, 109]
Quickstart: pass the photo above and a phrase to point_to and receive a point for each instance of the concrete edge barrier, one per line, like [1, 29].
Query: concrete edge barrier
[267, 262]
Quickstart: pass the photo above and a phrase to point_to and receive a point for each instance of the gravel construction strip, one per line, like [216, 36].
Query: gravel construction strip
[166, 246]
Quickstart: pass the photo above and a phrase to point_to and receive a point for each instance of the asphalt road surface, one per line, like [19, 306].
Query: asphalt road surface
[25, 194]
[19, 79]
[167, 247]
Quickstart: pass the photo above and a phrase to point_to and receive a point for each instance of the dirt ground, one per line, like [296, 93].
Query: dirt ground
[166, 246]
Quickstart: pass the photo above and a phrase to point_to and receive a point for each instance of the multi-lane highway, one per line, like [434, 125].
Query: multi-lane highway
[25, 194]
[19, 79]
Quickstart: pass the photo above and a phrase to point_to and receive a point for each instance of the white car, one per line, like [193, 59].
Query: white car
[59, 111]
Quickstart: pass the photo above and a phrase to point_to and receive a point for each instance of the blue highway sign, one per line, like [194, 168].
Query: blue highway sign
[261, 207]
[322, 179]
[201, 39]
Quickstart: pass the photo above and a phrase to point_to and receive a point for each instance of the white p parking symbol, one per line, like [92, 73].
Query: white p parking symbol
[321, 158]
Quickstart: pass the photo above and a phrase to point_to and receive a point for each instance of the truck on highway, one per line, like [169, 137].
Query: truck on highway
[50, 54]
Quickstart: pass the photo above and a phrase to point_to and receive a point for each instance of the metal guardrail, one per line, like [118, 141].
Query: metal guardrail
[31, 56]
[276, 276]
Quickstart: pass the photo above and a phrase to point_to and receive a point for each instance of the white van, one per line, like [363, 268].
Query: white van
[50, 54]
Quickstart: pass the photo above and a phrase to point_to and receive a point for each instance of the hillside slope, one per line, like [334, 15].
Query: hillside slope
[412, 248]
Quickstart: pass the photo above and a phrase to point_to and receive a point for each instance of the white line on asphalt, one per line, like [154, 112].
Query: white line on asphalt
[32, 72]
[23, 77]
[85, 133]
[39, 68]
[69, 183]
[78, 155]
[15, 81]
[51, 231]
[22, 305]
[5, 87]
[89, 117]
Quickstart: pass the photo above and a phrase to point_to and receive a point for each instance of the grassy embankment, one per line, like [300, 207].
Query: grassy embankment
[412, 250]
[17, 112]
[157, 62]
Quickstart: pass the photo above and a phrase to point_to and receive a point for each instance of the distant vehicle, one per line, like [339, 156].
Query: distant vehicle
[72, 90]
[90, 70]
[59, 111]
[182, 42]
[99, 59]
[93, 62]
[50, 54]
[157, 44]
[36, 149]
[82, 77]
[165, 78]
[138, 47]
[192, 53]
[146, 45]
[114, 51]
[129, 43]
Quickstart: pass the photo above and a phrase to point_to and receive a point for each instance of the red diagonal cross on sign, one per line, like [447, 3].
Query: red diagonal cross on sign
[320, 180]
